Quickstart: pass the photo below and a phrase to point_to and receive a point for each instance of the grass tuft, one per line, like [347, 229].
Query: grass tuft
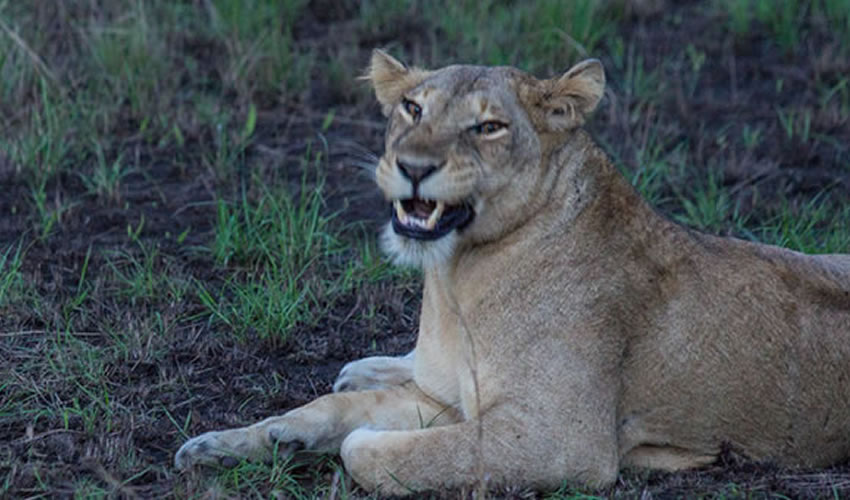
[261, 53]
[554, 33]
[817, 226]
[11, 278]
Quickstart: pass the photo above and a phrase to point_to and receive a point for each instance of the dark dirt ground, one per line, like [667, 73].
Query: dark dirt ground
[217, 376]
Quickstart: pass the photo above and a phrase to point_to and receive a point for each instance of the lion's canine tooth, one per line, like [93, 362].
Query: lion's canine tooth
[435, 216]
[399, 212]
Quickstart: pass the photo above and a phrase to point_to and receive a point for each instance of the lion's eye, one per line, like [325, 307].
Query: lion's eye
[488, 128]
[413, 109]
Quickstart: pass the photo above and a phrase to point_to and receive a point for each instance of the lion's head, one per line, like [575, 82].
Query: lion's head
[466, 149]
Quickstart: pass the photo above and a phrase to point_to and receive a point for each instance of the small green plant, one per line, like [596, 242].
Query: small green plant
[88, 488]
[105, 181]
[267, 306]
[144, 277]
[282, 476]
[835, 99]
[650, 176]
[797, 126]
[709, 207]
[229, 143]
[696, 60]
[42, 149]
[274, 228]
[11, 279]
[47, 214]
[76, 301]
[46, 217]
[641, 85]
[751, 136]
[784, 19]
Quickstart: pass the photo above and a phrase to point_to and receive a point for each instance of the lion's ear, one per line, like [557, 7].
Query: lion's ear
[572, 97]
[391, 79]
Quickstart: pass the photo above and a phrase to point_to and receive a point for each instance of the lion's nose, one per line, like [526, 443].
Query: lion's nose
[415, 173]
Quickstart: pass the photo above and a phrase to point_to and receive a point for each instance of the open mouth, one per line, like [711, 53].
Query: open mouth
[427, 219]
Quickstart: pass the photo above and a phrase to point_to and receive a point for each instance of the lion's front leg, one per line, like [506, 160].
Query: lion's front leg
[376, 372]
[320, 425]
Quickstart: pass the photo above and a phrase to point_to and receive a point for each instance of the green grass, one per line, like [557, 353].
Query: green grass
[283, 479]
[11, 281]
[795, 125]
[42, 149]
[105, 180]
[816, 226]
[273, 229]
[569, 492]
[68, 386]
[127, 73]
[836, 15]
[259, 45]
[787, 21]
[144, 275]
[553, 33]
[285, 262]
[129, 59]
[278, 246]
[751, 136]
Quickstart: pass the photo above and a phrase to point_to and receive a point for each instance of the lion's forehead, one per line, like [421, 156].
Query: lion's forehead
[468, 90]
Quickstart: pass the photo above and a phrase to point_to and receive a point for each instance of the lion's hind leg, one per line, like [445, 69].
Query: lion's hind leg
[407, 462]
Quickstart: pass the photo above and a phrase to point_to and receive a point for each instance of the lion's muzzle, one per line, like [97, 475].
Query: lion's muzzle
[427, 219]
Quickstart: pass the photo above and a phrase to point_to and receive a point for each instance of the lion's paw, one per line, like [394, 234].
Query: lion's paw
[372, 465]
[374, 373]
[228, 448]
[210, 448]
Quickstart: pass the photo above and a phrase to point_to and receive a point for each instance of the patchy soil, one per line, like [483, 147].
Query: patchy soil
[175, 369]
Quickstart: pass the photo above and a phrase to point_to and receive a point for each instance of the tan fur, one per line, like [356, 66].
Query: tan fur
[600, 334]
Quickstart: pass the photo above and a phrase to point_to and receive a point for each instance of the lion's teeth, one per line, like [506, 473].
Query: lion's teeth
[435, 216]
[399, 212]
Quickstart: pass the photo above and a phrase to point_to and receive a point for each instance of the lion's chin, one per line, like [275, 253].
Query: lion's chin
[420, 253]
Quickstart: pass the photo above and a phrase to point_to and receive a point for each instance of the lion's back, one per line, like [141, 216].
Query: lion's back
[752, 350]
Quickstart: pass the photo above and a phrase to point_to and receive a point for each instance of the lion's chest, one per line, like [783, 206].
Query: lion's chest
[442, 364]
[438, 353]
[446, 365]
[435, 368]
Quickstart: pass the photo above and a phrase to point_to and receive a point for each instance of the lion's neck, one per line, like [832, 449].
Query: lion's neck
[578, 196]
[590, 213]
[574, 174]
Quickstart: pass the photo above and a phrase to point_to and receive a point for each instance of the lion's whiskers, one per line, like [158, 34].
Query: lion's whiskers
[357, 155]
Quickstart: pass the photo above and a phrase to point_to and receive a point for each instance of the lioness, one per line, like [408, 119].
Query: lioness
[567, 330]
